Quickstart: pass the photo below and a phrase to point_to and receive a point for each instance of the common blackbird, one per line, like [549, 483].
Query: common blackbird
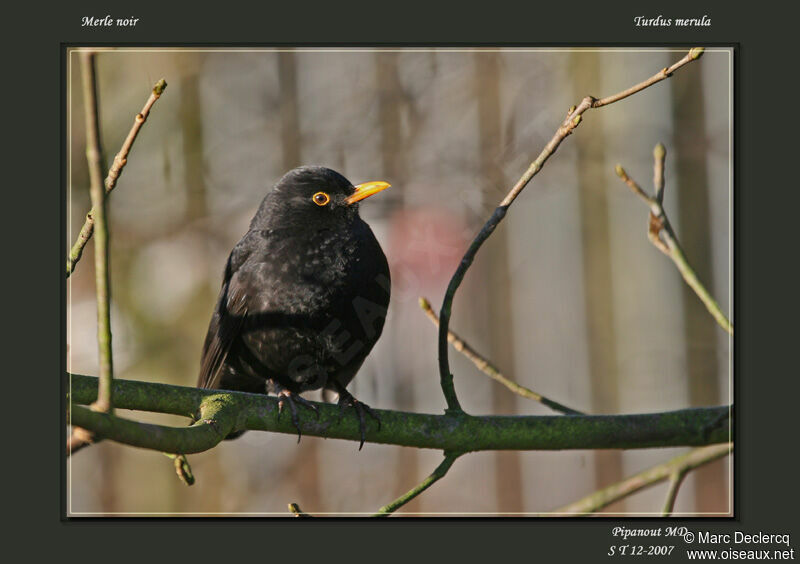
[304, 297]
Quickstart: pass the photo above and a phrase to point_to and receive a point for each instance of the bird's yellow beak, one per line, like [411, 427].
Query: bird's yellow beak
[366, 190]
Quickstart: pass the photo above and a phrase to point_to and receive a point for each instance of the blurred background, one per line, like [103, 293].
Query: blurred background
[568, 297]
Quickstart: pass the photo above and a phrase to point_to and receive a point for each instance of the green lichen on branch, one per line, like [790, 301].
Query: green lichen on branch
[217, 417]
[223, 412]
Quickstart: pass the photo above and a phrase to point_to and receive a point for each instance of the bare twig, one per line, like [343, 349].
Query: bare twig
[294, 508]
[683, 463]
[78, 440]
[659, 155]
[693, 54]
[113, 174]
[675, 481]
[662, 236]
[434, 477]
[182, 468]
[655, 222]
[492, 371]
[572, 120]
[94, 155]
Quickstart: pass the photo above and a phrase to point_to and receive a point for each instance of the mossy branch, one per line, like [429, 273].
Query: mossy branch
[223, 412]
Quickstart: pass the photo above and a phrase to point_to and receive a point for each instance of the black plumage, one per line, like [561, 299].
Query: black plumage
[304, 295]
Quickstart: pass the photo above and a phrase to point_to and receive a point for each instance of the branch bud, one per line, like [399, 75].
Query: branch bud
[159, 87]
[696, 52]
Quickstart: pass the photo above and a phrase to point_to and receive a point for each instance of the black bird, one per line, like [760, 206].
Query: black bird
[304, 297]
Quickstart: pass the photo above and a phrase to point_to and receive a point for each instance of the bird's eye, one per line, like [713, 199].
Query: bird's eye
[321, 198]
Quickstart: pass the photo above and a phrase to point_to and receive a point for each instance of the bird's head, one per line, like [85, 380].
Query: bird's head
[312, 196]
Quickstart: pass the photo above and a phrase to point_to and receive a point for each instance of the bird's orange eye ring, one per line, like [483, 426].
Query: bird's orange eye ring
[321, 198]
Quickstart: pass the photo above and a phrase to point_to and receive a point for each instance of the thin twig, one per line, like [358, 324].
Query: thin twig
[654, 475]
[182, 468]
[492, 371]
[655, 222]
[294, 508]
[675, 481]
[434, 477]
[78, 440]
[572, 120]
[662, 236]
[693, 54]
[94, 156]
[659, 156]
[113, 174]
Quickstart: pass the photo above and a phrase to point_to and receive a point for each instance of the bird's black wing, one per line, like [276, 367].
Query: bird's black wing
[226, 324]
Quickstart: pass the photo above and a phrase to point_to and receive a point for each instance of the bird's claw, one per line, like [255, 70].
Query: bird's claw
[291, 398]
[347, 400]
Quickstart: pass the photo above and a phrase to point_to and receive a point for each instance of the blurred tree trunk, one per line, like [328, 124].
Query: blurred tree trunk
[393, 162]
[694, 224]
[597, 279]
[108, 464]
[508, 471]
[290, 116]
[194, 183]
[307, 453]
[391, 102]
[193, 148]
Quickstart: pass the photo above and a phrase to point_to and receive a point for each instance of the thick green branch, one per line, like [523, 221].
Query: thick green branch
[217, 418]
[449, 432]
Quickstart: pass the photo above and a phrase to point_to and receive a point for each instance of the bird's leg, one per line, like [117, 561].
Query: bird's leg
[346, 399]
[286, 396]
